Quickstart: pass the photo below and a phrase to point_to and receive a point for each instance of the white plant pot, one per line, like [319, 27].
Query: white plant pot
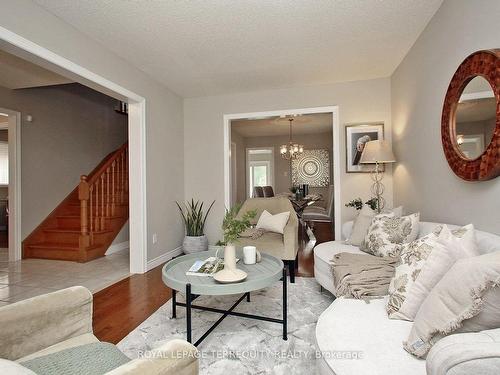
[194, 244]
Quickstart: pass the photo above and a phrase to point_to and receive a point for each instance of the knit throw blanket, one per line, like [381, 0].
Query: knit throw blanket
[253, 233]
[362, 276]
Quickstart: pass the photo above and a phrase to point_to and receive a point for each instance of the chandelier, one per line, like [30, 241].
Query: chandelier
[291, 150]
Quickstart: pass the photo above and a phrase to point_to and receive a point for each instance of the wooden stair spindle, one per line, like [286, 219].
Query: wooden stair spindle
[113, 187]
[85, 223]
[83, 196]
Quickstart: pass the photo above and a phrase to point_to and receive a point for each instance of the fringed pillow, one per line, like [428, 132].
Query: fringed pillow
[466, 299]
[423, 263]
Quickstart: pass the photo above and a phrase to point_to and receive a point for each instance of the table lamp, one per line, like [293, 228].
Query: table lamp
[377, 152]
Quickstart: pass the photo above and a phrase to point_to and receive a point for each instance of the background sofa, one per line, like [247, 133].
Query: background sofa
[285, 246]
[50, 323]
[352, 327]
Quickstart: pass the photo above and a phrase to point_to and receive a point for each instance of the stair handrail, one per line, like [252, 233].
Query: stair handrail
[99, 193]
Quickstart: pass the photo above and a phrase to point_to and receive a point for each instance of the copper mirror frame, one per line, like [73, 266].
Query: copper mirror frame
[487, 166]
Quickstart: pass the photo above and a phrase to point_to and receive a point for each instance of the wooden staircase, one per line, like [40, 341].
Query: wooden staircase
[85, 223]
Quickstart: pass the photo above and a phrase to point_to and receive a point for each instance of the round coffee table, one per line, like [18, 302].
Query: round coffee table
[260, 275]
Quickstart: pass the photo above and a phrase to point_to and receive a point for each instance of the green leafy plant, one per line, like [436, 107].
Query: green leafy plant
[194, 218]
[358, 203]
[294, 189]
[232, 226]
[373, 203]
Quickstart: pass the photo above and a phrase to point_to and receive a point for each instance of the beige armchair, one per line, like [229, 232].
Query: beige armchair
[283, 246]
[50, 323]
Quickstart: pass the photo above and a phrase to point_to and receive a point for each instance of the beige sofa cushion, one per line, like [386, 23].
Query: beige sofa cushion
[46, 320]
[269, 243]
[468, 296]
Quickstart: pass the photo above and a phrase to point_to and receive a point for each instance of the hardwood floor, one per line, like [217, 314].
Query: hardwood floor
[120, 308]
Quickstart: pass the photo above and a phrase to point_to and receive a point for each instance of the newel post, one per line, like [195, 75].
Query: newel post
[83, 196]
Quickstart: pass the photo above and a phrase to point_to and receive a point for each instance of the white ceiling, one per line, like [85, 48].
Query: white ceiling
[277, 126]
[16, 73]
[477, 110]
[201, 47]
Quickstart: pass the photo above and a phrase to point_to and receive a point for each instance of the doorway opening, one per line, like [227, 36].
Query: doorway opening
[36, 54]
[318, 129]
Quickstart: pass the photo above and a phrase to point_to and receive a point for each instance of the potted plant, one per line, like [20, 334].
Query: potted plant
[194, 221]
[358, 203]
[232, 227]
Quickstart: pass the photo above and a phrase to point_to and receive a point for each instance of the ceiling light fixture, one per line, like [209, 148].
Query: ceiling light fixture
[291, 150]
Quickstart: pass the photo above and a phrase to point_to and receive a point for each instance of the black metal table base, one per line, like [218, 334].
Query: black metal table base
[189, 306]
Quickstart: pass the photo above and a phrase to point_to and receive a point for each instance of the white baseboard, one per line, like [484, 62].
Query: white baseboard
[117, 247]
[163, 258]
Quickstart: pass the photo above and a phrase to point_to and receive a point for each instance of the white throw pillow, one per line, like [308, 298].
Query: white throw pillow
[413, 258]
[273, 223]
[451, 246]
[387, 234]
[467, 297]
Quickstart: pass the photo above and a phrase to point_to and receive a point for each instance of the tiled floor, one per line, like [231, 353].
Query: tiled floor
[31, 277]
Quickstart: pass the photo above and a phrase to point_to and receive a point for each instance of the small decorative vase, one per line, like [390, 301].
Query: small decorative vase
[194, 244]
[230, 274]
[229, 257]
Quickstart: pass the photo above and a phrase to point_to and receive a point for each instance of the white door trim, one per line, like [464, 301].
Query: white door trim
[14, 140]
[334, 110]
[137, 140]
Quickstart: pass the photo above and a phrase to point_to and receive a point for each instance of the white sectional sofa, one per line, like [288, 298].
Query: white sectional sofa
[358, 338]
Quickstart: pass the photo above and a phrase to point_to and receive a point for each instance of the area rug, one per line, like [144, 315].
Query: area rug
[239, 345]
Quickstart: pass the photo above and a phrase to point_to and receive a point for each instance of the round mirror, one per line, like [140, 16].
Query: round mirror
[475, 118]
[470, 122]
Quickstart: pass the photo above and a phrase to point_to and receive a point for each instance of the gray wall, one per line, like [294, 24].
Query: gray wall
[164, 113]
[282, 166]
[423, 181]
[73, 129]
[362, 101]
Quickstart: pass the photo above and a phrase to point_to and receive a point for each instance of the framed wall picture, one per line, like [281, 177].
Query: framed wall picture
[356, 136]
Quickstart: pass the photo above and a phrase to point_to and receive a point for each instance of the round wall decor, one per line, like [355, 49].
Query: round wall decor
[312, 167]
[470, 122]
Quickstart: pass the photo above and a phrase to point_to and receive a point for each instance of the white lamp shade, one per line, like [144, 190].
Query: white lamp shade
[377, 152]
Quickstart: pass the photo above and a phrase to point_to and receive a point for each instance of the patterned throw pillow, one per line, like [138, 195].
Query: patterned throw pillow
[387, 235]
[413, 257]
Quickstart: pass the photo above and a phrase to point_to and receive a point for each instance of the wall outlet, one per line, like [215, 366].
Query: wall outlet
[155, 238]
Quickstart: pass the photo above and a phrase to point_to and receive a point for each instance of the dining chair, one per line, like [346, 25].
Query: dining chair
[268, 191]
[313, 215]
[258, 192]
